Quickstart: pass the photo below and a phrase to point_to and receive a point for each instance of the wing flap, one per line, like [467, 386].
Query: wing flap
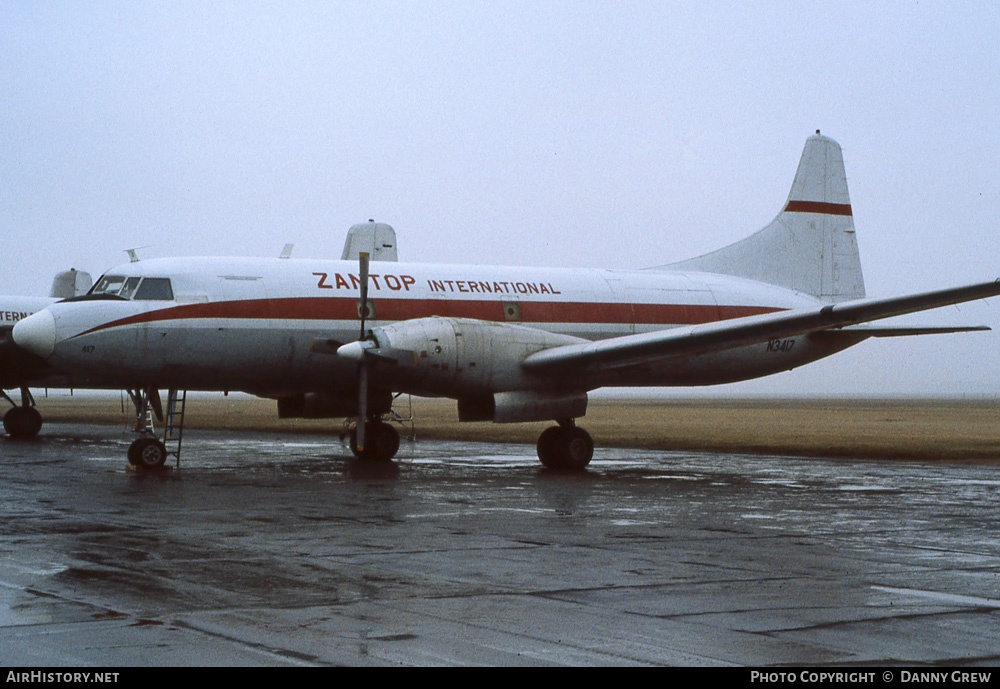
[737, 332]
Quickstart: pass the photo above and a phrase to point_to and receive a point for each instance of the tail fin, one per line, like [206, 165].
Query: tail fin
[70, 283]
[377, 238]
[810, 246]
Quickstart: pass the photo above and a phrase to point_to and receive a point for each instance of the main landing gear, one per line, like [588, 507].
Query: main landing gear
[23, 420]
[565, 447]
[381, 441]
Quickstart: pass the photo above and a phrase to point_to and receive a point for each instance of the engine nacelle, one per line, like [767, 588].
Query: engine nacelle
[520, 405]
[458, 357]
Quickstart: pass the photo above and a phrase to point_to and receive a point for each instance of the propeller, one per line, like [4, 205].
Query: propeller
[362, 361]
[365, 351]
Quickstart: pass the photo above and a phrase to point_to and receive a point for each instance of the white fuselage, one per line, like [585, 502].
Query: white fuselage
[271, 326]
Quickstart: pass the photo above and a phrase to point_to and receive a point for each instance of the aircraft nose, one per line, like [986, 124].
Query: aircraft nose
[36, 333]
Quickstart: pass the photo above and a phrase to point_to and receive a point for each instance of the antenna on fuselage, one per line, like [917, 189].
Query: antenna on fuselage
[133, 255]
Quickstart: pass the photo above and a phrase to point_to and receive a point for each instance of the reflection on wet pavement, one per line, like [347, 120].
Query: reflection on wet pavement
[268, 549]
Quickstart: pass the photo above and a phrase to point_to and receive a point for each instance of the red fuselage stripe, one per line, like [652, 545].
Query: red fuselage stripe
[323, 309]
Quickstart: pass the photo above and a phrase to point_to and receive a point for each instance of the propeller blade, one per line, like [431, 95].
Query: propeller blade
[362, 364]
[363, 261]
[362, 404]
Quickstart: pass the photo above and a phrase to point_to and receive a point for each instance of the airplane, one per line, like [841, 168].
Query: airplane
[19, 368]
[329, 338]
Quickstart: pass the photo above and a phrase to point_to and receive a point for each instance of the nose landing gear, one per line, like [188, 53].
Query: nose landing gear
[148, 451]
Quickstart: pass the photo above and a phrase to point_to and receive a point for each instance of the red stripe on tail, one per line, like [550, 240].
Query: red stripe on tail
[818, 207]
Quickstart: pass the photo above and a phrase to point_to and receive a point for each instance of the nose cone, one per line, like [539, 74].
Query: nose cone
[36, 333]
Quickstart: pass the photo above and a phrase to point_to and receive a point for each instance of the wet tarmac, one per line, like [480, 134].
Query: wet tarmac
[273, 550]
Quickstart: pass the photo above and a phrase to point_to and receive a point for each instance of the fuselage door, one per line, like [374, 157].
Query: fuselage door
[243, 328]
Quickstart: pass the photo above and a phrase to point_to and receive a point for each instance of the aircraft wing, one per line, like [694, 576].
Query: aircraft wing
[720, 335]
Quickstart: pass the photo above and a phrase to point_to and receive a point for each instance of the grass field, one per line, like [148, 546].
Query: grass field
[925, 429]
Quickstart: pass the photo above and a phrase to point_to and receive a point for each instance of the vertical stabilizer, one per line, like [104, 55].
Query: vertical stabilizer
[375, 238]
[70, 283]
[811, 245]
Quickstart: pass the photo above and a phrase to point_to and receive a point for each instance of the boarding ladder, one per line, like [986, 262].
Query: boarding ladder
[403, 416]
[173, 424]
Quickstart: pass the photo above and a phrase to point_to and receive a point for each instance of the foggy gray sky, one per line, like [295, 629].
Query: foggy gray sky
[591, 134]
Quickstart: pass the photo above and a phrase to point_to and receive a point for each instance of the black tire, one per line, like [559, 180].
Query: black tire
[549, 447]
[388, 441]
[22, 422]
[579, 449]
[382, 442]
[147, 453]
[565, 449]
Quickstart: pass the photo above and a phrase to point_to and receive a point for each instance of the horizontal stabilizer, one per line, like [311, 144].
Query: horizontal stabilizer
[907, 331]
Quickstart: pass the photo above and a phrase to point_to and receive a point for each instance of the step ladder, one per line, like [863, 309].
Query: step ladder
[173, 424]
[403, 416]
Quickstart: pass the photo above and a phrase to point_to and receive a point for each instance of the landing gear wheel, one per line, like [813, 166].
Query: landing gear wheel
[579, 449]
[147, 453]
[568, 449]
[382, 442]
[548, 446]
[22, 422]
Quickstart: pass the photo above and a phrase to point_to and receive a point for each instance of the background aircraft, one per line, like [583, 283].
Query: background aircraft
[332, 338]
[19, 368]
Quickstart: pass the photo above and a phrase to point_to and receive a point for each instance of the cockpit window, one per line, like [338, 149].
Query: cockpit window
[147, 289]
[155, 288]
[129, 289]
[109, 284]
